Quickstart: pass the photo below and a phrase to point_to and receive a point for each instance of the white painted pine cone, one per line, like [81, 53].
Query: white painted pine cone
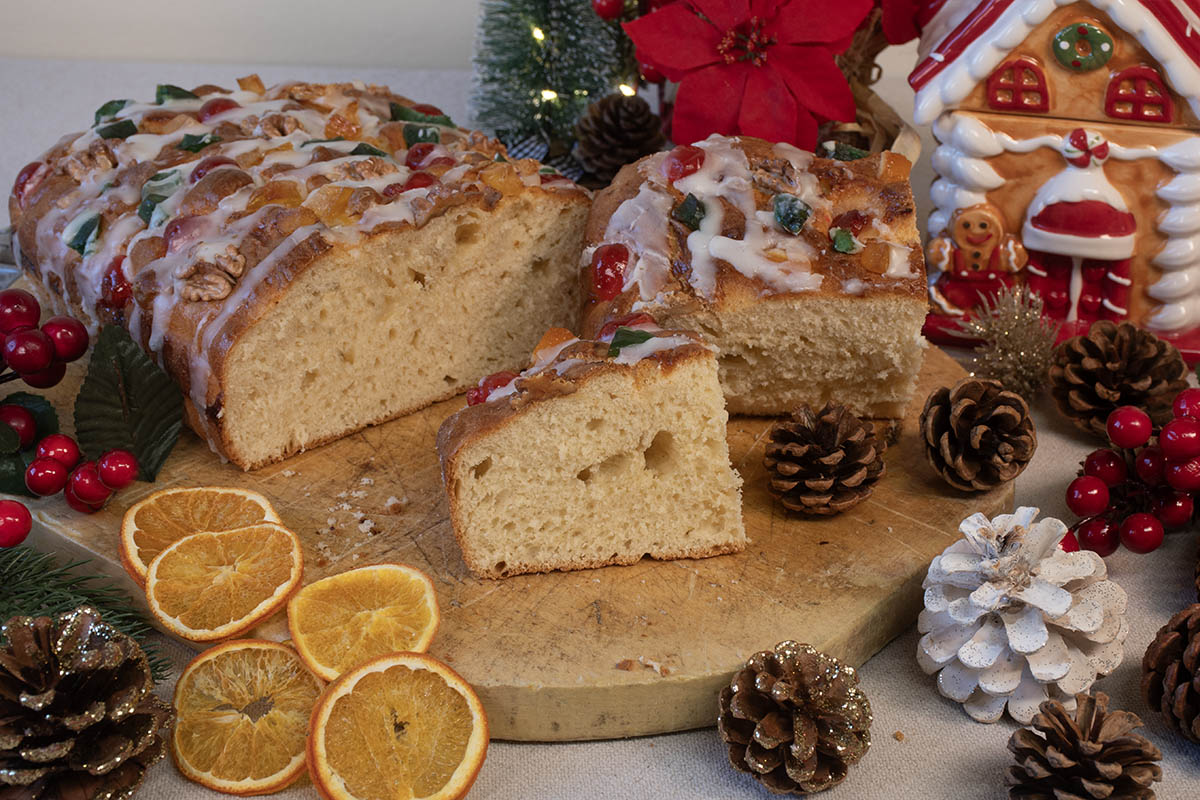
[1012, 619]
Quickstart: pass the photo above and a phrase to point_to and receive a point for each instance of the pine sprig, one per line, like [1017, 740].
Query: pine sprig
[539, 63]
[35, 584]
[1016, 341]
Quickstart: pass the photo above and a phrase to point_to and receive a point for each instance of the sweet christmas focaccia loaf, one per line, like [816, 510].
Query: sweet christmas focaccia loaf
[806, 273]
[602, 452]
[305, 260]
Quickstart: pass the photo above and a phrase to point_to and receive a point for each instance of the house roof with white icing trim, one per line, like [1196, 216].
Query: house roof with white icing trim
[965, 41]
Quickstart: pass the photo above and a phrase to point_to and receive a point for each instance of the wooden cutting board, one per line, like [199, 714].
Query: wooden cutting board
[603, 653]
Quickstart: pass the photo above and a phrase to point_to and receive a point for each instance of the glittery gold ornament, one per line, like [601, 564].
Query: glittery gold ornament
[795, 719]
[1016, 341]
[78, 716]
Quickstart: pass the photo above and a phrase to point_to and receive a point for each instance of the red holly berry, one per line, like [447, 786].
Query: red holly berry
[207, 165]
[1150, 466]
[61, 448]
[115, 290]
[1173, 509]
[1180, 439]
[45, 476]
[15, 523]
[28, 350]
[1129, 426]
[491, 383]
[18, 309]
[86, 484]
[74, 502]
[627, 321]
[1068, 542]
[117, 468]
[1187, 403]
[682, 161]
[1107, 466]
[1141, 532]
[69, 336]
[1098, 535]
[21, 421]
[48, 377]
[214, 107]
[1087, 496]
[608, 270]
[608, 9]
[1184, 475]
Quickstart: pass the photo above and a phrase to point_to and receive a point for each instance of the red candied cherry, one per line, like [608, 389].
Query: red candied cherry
[46, 378]
[28, 179]
[1107, 466]
[28, 350]
[418, 180]
[216, 107]
[1129, 426]
[60, 447]
[207, 165]
[608, 9]
[74, 502]
[1180, 439]
[1068, 542]
[1141, 532]
[117, 468]
[418, 154]
[45, 476]
[181, 232]
[428, 109]
[1098, 535]
[15, 523]
[18, 310]
[69, 336]
[1087, 496]
[1184, 475]
[1150, 465]
[608, 270]
[627, 321]
[20, 420]
[86, 484]
[1187, 404]
[682, 161]
[491, 383]
[1173, 509]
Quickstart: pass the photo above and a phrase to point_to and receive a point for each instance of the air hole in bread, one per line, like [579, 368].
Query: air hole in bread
[731, 360]
[416, 277]
[539, 265]
[584, 474]
[661, 452]
[450, 381]
[595, 424]
[481, 469]
[501, 567]
[309, 378]
[347, 356]
[466, 233]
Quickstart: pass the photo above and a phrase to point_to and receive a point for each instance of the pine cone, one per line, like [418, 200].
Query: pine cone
[1011, 619]
[78, 717]
[977, 435]
[823, 463]
[795, 719]
[1115, 365]
[614, 131]
[1171, 672]
[1091, 754]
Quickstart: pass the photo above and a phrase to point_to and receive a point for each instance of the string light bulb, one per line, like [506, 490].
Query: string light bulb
[627, 90]
[549, 94]
[538, 33]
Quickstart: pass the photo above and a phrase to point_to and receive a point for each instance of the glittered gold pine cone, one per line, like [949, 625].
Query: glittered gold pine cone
[78, 716]
[977, 435]
[1171, 672]
[795, 719]
[1115, 365]
[823, 463]
[1091, 753]
[614, 131]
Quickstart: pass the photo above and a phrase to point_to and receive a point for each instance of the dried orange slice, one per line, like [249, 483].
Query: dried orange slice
[151, 525]
[243, 709]
[401, 725]
[347, 619]
[211, 586]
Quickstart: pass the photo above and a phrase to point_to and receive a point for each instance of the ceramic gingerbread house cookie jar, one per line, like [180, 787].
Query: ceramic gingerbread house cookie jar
[1068, 159]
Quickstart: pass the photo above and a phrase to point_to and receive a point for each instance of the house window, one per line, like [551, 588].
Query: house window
[1138, 93]
[1018, 85]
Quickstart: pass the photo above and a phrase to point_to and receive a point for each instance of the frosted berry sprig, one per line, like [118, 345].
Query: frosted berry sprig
[1143, 486]
[36, 354]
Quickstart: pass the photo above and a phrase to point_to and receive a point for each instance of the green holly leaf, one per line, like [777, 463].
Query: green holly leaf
[167, 91]
[194, 143]
[117, 130]
[401, 113]
[624, 337]
[127, 401]
[12, 474]
[10, 442]
[44, 415]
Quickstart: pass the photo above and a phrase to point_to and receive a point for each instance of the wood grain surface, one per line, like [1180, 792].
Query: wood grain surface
[604, 653]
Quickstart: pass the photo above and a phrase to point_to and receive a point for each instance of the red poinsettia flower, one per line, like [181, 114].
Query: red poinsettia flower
[757, 67]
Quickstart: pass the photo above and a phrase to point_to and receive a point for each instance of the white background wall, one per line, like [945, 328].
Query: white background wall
[385, 33]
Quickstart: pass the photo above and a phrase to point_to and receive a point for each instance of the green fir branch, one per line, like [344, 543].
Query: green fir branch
[529, 85]
[35, 584]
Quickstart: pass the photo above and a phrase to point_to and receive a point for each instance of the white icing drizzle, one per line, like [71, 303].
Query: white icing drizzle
[633, 353]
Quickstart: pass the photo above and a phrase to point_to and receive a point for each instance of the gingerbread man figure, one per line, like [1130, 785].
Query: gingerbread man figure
[976, 256]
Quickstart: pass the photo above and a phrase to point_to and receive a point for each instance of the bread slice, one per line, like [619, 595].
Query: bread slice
[808, 315]
[305, 260]
[589, 459]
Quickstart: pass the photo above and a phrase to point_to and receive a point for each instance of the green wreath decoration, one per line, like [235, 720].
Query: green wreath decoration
[1082, 47]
